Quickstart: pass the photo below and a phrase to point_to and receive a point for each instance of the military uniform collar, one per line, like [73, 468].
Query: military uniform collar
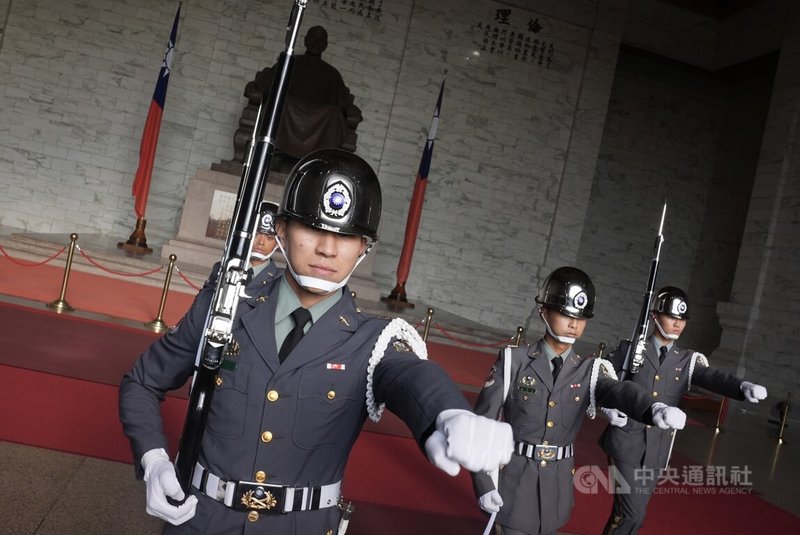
[288, 302]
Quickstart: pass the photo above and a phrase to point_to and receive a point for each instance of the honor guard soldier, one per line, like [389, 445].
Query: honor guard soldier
[543, 391]
[667, 371]
[306, 369]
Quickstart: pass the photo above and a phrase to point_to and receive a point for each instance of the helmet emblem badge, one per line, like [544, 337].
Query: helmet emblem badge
[580, 301]
[336, 200]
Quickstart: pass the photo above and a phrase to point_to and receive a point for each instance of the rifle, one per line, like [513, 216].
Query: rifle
[634, 348]
[234, 268]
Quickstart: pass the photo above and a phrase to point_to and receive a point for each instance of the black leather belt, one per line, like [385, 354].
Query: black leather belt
[543, 452]
[264, 497]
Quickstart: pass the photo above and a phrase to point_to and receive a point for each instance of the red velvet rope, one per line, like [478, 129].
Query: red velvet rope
[501, 343]
[35, 264]
[94, 263]
[187, 281]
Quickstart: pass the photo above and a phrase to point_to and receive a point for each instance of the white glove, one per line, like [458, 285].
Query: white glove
[159, 474]
[474, 442]
[666, 417]
[615, 417]
[491, 502]
[753, 392]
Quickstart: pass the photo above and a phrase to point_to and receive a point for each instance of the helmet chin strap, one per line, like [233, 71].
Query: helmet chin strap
[313, 284]
[262, 256]
[563, 339]
[664, 334]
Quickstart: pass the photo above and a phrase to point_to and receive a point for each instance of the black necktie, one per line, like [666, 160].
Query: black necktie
[301, 316]
[662, 354]
[557, 361]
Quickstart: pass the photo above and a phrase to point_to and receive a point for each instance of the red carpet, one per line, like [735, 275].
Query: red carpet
[60, 411]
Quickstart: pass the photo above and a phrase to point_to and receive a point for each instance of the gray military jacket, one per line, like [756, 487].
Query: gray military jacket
[641, 445]
[538, 495]
[293, 423]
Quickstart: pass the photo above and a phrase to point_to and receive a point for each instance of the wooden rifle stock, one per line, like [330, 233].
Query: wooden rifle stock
[634, 348]
[234, 267]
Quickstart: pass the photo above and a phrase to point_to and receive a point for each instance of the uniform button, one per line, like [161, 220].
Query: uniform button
[677, 378]
[272, 395]
[545, 443]
[543, 464]
[261, 476]
[524, 398]
[551, 403]
[329, 532]
[331, 394]
[252, 516]
[218, 381]
[550, 423]
[658, 377]
[655, 394]
[577, 398]
[573, 471]
[649, 426]
[266, 436]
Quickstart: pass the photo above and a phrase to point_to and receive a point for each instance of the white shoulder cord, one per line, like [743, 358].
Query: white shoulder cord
[591, 411]
[400, 329]
[696, 358]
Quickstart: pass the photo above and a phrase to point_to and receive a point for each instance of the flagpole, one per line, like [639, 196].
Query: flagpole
[397, 297]
[137, 242]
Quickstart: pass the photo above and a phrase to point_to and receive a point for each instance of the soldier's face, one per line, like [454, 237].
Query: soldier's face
[564, 325]
[670, 325]
[264, 244]
[318, 253]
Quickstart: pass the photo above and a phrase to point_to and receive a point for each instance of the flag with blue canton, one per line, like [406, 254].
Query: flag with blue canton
[147, 148]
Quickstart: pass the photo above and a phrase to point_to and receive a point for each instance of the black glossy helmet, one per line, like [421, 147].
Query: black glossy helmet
[569, 291]
[334, 190]
[266, 218]
[673, 302]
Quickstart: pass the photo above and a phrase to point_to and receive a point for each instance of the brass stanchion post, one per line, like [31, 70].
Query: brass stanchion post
[158, 324]
[783, 418]
[722, 404]
[60, 305]
[427, 325]
[518, 336]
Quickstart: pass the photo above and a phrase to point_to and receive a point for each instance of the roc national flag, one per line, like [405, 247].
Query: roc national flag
[147, 148]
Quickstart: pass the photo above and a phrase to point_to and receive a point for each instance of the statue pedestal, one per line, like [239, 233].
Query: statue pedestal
[205, 222]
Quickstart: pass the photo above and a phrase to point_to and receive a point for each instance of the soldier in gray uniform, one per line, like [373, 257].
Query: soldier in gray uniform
[306, 369]
[640, 452]
[264, 246]
[549, 388]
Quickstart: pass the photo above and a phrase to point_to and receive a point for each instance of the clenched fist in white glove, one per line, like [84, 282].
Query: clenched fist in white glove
[753, 392]
[159, 474]
[464, 439]
[666, 417]
[615, 417]
[491, 502]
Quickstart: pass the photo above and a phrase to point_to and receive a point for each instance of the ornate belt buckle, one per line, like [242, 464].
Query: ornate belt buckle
[545, 453]
[268, 499]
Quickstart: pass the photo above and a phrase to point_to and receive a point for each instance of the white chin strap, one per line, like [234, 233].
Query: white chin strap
[262, 256]
[661, 330]
[313, 284]
[563, 339]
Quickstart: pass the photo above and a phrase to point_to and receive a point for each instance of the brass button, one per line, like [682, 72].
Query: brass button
[543, 464]
[545, 443]
[550, 423]
[551, 403]
[573, 471]
[272, 395]
[577, 398]
[331, 394]
[218, 381]
[261, 476]
[655, 394]
[252, 516]
[329, 532]
[649, 426]
[524, 398]
[658, 377]
[266, 436]
[677, 378]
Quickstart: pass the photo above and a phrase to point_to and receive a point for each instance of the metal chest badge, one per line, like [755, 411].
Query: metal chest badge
[336, 200]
